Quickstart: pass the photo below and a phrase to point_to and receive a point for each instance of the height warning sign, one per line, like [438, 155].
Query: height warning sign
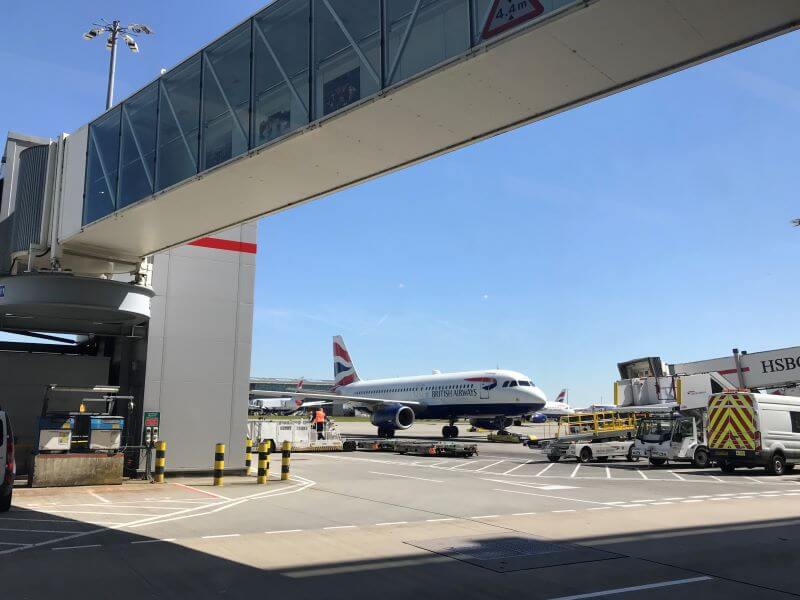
[506, 14]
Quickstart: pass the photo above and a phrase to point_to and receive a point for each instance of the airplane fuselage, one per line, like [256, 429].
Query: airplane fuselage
[487, 394]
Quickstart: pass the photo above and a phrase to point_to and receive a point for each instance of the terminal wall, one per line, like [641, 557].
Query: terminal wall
[199, 344]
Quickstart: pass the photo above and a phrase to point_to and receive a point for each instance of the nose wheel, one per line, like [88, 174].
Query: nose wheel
[449, 431]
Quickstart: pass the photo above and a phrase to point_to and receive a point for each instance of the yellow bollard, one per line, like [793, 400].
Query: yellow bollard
[286, 458]
[161, 462]
[263, 463]
[219, 464]
[248, 456]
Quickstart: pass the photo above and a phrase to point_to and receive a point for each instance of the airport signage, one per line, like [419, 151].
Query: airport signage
[506, 14]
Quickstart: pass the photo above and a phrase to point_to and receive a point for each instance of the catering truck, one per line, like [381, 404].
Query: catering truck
[754, 430]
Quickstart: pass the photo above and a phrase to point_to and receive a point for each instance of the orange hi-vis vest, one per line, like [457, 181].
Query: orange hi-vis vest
[319, 416]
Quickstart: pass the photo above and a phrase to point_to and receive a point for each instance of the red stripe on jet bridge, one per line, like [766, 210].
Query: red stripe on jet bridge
[732, 371]
[220, 244]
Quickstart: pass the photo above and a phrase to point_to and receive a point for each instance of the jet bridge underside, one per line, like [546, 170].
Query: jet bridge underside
[590, 51]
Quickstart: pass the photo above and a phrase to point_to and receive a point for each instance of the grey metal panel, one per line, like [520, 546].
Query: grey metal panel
[6, 229]
[30, 198]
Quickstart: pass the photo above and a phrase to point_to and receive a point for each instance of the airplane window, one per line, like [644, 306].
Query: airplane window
[525, 383]
[505, 383]
[512, 384]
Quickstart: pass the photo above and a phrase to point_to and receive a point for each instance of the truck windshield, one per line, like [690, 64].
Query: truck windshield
[654, 430]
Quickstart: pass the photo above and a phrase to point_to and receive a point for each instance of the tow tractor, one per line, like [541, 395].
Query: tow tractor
[676, 437]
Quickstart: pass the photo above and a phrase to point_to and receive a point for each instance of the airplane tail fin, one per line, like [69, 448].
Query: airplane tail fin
[562, 396]
[344, 373]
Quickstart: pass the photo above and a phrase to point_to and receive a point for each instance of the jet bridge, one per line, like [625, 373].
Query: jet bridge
[309, 97]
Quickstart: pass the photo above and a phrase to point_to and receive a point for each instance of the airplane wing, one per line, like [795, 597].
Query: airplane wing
[328, 397]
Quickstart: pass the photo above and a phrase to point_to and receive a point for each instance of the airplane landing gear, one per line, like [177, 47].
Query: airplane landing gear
[450, 431]
[385, 432]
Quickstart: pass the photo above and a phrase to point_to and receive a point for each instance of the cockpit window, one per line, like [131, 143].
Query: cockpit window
[524, 382]
[505, 383]
[512, 384]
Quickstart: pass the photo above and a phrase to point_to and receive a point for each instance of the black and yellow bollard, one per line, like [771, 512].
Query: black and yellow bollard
[263, 463]
[219, 464]
[161, 462]
[248, 456]
[286, 458]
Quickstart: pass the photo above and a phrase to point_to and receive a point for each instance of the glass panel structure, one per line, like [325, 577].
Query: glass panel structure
[102, 167]
[226, 98]
[294, 63]
[281, 102]
[347, 52]
[178, 124]
[137, 160]
[423, 33]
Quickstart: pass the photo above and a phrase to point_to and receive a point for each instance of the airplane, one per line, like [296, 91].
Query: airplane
[281, 404]
[490, 399]
[555, 409]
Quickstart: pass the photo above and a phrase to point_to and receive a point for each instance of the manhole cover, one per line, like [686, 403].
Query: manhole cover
[514, 552]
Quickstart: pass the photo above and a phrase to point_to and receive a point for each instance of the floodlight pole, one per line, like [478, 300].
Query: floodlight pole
[112, 67]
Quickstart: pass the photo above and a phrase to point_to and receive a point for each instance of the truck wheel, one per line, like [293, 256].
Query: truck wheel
[658, 462]
[5, 502]
[777, 466]
[349, 446]
[700, 460]
[727, 467]
[552, 458]
[585, 456]
[630, 457]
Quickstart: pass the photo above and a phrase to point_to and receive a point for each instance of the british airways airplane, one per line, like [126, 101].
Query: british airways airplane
[490, 399]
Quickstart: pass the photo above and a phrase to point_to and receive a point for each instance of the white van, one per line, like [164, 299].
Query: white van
[754, 430]
[7, 466]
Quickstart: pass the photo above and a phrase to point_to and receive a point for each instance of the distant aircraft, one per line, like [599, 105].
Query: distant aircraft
[280, 403]
[490, 399]
[554, 410]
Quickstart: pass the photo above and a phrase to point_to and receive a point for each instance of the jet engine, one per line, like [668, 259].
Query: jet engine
[393, 417]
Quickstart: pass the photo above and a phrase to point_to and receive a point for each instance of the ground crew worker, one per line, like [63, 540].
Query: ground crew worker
[319, 421]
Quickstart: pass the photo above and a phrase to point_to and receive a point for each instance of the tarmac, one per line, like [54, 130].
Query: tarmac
[361, 525]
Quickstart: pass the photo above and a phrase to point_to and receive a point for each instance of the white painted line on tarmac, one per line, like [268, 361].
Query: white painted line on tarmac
[166, 540]
[77, 547]
[99, 497]
[341, 527]
[488, 466]
[638, 588]
[728, 494]
[717, 479]
[40, 530]
[640, 472]
[546, 496]
[283, 531]
[543, 471]
[601, 508]
[675, 499]
[649, 500]
[12, 544]
[615, 502]
[754, 479]
[699, 496]
[689, 501]
[535, 486]
[676, 475]
[218, 537]
[661, 503]
[608, 473]
[389, 524]
[575, 471]
[563, 511]
[519, 466]
[405, 476]
[440, 520]
[721, 499]
[486, 517]
[523, 514]
[630, 505]
[104, 513]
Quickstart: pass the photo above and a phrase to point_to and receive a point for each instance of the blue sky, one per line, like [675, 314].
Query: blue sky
[654, 222]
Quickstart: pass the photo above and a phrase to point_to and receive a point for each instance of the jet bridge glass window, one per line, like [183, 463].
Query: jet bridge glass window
[347, 52]
[102, 170]
[137, 161]
[281, 42]
[226, 98]
[178, 124]
[422, 33]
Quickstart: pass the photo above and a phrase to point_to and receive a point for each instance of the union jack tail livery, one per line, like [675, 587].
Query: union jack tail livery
[344, 373]
[562, 396]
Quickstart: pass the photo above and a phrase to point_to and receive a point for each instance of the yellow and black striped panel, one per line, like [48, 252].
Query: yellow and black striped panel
[219, 464]
[161, 462]
[732, 422]
[263, 463]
